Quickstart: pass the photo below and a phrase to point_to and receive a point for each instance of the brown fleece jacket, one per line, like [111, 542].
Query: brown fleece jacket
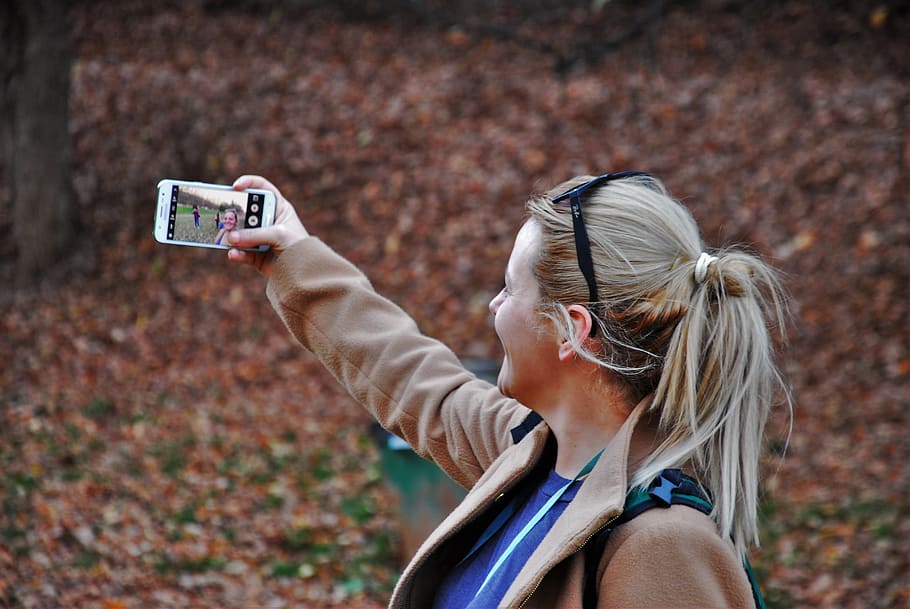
[418, 389]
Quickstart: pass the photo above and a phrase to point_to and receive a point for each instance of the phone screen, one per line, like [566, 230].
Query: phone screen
[204, 215]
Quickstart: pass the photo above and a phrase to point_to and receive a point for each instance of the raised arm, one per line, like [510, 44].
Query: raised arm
[414, 385]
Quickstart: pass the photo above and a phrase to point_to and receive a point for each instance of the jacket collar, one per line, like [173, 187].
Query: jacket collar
[520, 431]
[599, 500]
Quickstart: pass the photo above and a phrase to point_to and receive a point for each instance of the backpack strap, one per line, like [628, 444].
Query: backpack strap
[671, 487]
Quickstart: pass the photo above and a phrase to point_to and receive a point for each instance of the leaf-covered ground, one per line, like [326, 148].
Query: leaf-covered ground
[165, 444]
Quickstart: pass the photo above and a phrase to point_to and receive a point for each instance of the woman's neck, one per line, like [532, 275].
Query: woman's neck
[584, 422]
[577, 442]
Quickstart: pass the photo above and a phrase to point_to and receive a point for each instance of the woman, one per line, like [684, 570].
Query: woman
[230, 223]
[629, 350]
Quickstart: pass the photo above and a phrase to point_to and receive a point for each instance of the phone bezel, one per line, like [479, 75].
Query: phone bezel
[162, 209]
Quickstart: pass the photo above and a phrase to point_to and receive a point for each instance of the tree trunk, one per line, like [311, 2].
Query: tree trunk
[35, 71]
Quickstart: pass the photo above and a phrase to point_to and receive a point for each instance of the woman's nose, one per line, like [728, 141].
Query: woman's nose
[494, 304]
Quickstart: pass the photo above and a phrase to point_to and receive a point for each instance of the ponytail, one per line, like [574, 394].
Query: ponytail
[694, 330]
[718, 383]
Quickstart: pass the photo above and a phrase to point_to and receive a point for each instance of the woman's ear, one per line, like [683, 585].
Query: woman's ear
[582, 323]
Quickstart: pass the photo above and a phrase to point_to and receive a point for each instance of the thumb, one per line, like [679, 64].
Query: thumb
[254, 237]
[278, 236]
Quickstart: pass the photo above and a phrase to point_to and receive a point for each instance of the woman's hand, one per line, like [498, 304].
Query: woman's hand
[285, 232]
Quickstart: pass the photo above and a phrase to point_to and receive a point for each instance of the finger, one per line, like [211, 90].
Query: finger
[283, 206]
[254, 237]
[258, 261]
[242, 257]
[254, 181]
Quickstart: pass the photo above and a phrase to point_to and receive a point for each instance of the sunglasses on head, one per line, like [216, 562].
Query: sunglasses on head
[582, 244]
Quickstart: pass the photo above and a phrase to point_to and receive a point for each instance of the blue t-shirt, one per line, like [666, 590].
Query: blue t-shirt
[459, 587]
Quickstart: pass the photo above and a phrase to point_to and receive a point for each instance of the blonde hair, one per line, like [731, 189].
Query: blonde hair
[704, 350]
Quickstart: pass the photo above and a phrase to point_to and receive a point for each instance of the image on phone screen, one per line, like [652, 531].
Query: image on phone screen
[203, 215]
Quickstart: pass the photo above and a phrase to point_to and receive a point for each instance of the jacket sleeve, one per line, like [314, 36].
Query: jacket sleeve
[679, 561]
[413, 385]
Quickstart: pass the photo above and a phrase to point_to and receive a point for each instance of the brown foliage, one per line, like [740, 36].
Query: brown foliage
[165, 444]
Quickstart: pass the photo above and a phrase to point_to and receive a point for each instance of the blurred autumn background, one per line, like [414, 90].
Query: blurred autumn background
[165, 444]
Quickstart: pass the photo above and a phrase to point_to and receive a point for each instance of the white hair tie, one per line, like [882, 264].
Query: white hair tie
[701, 267]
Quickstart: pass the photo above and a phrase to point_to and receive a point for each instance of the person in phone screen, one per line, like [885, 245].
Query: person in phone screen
[231, 221]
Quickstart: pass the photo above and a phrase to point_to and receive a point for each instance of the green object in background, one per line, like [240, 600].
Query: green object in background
[426, 494]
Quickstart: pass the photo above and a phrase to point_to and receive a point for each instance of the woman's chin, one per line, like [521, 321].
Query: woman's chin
[504, 381]
[503, 386]
[506, 388]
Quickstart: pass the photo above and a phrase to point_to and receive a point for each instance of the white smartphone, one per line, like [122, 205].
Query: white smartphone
[200, 214]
